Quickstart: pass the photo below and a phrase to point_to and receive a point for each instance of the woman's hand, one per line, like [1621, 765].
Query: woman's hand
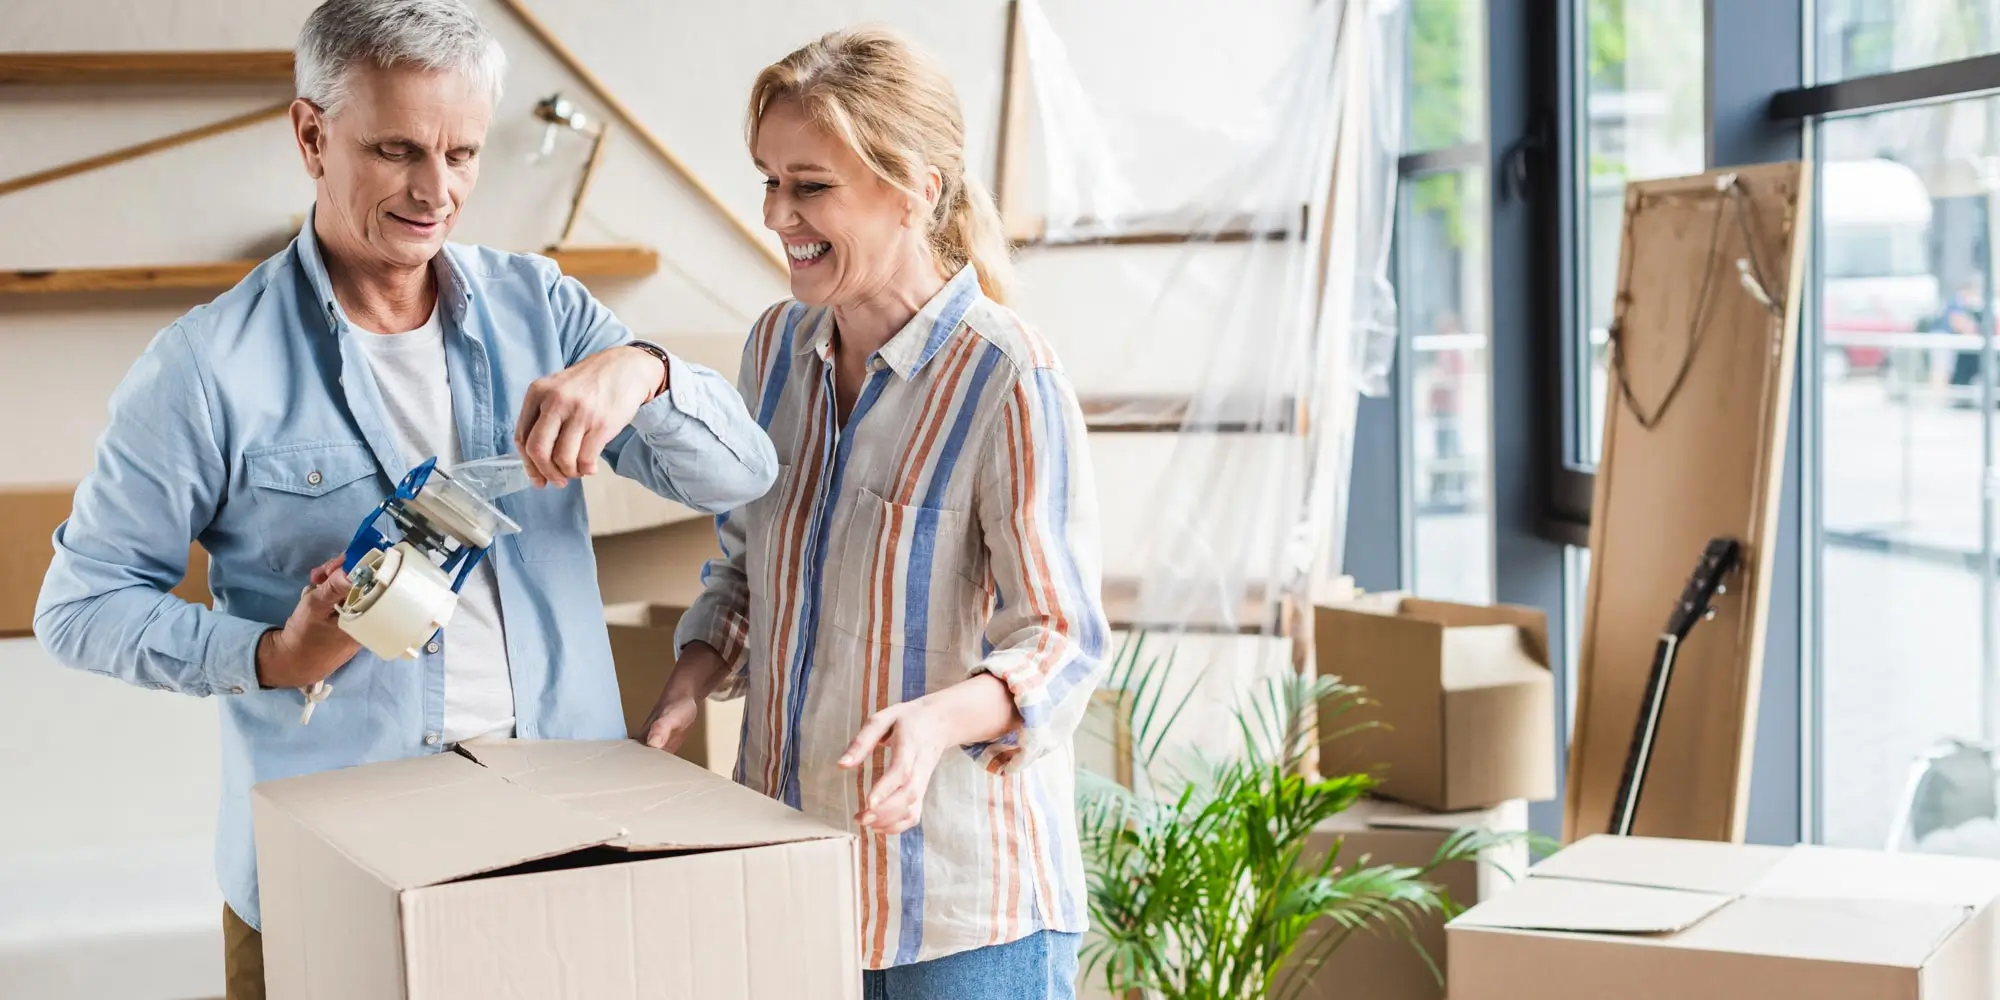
[917, 733]
[695, 675]
[567, 418]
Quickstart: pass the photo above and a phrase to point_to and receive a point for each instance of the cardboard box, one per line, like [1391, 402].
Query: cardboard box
[642, 649]
[1384, 965]
[615, 505]
[656, 566]
[549, 869]
[1466, 703]
[1644, 919]
[29, 516]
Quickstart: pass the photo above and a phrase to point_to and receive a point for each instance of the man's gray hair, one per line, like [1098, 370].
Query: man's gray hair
[343, 35]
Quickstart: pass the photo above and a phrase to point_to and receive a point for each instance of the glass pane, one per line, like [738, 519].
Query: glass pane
[1642, 118]
[1447, 95]
[1864, 37]
[1905, 215]
[1444, 314]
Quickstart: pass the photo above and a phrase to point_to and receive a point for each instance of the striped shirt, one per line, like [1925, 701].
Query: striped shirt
[949, 527]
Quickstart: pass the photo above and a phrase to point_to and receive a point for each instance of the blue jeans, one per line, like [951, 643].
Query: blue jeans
[1041, 966]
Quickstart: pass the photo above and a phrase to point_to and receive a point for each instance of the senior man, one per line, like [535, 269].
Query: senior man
[269, 422]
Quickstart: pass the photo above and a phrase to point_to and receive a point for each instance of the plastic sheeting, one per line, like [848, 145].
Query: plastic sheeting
[1251, 339]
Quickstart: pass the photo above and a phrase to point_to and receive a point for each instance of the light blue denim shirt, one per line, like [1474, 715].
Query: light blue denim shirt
[253, 425]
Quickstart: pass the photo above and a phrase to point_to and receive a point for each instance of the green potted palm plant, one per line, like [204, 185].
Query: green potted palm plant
[1201, 886]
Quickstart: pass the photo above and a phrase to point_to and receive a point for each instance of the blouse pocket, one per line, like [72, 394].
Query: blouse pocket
[901, 581]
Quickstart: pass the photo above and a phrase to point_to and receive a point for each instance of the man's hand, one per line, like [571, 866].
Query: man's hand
[697, 673]
[311, 646]
[567, 418]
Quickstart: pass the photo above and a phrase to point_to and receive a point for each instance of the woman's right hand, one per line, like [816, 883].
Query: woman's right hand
[696, 673]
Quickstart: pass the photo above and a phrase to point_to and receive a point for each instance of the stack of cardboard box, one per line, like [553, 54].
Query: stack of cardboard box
[1460, 730]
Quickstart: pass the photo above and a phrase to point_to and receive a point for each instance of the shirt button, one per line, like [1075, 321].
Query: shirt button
[430, 739]
[879, 364]
[238, 689]
[432, 648]
[313, 478]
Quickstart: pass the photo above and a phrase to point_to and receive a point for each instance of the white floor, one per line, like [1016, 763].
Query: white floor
[107, 887]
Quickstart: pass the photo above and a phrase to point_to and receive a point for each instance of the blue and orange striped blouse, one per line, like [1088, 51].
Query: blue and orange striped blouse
[949, 527]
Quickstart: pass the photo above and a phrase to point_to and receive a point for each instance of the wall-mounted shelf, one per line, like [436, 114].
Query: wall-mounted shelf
[578, 262]
[241, 66]
[1162, 414]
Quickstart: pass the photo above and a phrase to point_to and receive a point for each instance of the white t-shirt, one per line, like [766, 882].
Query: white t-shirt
[416, 398]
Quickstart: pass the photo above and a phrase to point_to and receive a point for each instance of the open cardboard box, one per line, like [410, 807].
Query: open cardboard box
[1464, 704]
[1388, 966]
[549, 869]
[1645, 919]
[29, 516]
[642, 651]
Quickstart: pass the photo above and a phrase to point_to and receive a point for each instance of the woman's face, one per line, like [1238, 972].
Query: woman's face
[847, 232]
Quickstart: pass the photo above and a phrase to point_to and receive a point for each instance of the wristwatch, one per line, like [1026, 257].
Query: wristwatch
[666, 366]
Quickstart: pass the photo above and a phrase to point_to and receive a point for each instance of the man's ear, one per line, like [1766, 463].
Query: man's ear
[309, 128]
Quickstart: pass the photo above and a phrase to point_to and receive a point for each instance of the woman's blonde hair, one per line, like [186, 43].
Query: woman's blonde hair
[890, 103]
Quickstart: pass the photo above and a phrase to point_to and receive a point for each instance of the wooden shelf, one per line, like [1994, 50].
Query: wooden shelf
[240, 66]
[1161, 238]
[630, 261]
[1031, 234]
[578, 262]
[1108, 414]
[1121, 609]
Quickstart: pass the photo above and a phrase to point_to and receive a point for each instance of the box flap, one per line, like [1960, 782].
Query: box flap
[1483, 656]
[1534, 625]
[1895, 934]
[1706, 866]
[1834, 873]
[648, 795]
[432, 819]
[1560, 904]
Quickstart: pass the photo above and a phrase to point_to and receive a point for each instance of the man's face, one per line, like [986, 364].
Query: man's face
[395, 165]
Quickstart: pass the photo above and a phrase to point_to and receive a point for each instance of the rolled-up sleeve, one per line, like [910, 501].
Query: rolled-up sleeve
[1037, 506]
[720, 617]
[695, 444]
[158, 477]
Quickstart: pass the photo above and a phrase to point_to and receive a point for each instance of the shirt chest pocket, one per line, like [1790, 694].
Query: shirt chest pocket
[902, 579]
[308, 499]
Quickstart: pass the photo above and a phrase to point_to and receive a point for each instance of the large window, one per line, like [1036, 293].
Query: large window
[1865, 37]
[1444, 305]
[1442, 266]
[1907, 422]
[1641, 117]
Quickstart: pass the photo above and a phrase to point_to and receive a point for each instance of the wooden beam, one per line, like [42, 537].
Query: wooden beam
[579, 262]
[133, 152]
[1010, 166]
[240, 66]
[765, 243]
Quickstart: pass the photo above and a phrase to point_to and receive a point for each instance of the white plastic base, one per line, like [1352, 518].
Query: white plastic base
[407, 601]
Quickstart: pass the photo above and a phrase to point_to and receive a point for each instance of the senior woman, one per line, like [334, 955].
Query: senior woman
[912, 611]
